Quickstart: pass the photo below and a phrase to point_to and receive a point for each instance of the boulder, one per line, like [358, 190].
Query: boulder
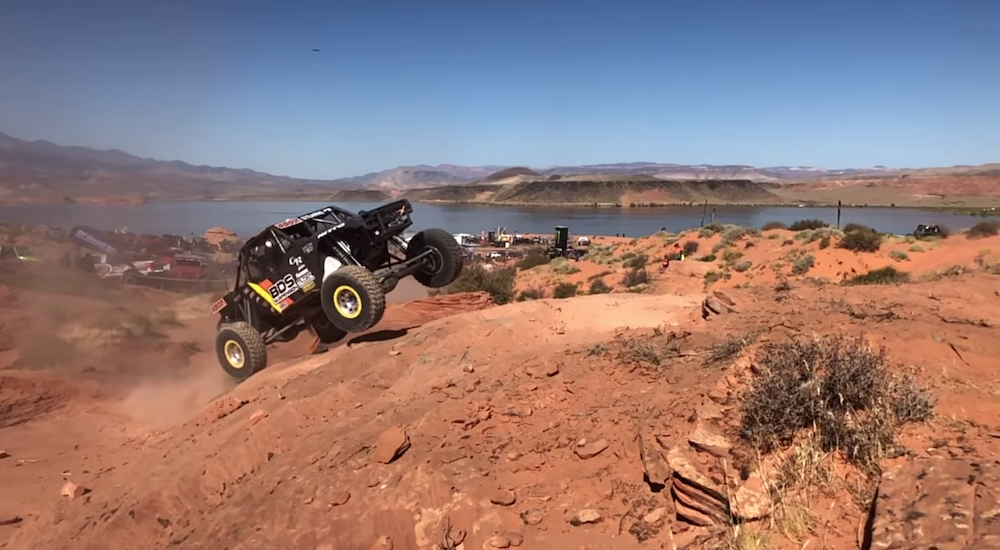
[940, 503]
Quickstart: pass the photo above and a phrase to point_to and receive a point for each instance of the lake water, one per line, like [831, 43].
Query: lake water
[247, 218]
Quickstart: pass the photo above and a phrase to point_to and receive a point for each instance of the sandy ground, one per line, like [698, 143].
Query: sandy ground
[458, 424]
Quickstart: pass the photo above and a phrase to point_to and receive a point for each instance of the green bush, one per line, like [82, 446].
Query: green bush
[987, 228]
[635, 277]
[803, 265]
[498, 283]
[562, 266]
[636, 261]
[837, 387]
[899, 255]
[824, 242]
[598, 286]
[858, 227]
[690, 248]
[533, 258]
[742, 266]
[731, 255]
[535, 293]
[884, 276]
[564, 290]
[770, 226]
[802, 225]
[861, 240]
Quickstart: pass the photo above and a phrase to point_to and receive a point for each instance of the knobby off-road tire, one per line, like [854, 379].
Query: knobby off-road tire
[353, 299]
[240, 349]
[325, 330]
[444, 264]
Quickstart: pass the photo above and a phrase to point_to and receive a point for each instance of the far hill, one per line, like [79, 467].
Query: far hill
[508, 173]
[41, 170]
[581, 190]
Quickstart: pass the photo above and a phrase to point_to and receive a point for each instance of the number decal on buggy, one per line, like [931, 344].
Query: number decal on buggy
[218, 305]
[287, 223]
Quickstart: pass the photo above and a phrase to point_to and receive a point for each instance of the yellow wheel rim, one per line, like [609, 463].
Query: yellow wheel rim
[234, 354]
[347, 302]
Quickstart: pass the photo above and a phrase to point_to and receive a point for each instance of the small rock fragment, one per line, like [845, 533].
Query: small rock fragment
[4, 454]
[10, 520]
[340, 498]
[499, 541]
[585, 516]
[589, 449]
[72, 490]
[382, 543]
[655, 516]
[503, 497]
[391, 445]
[469, 369]
[394, 352]
[533, 516]
[552, 369]
[257, 416]
[516, 539]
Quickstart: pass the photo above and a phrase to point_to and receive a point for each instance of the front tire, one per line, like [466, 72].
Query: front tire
[353, 299]
[445, 262]
[240, 349]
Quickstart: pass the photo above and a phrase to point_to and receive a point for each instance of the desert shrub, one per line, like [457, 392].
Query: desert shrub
[598, 275]
[788, 242]
[861, 240]
[534, 293]
[884, 276]
[858, 227]
[533, 258]
[824, 242]
[733, 233]
[712, 276]
[742, 266]
[598, 286]
[770, 226]
[773, 236]
[710, 229]
[899, 255]
[498, 283]
[601, 254]
[690, 248]
[636, 261]
[562, 266]
[916, 248]
[564, 290]
[838, 386]
[803, 264]
[634, 277]
[707, 258]
[987, 228]
[802, 225]
[731, 255]
[749, 244]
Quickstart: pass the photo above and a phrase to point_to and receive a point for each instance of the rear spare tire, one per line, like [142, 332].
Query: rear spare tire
[444, 263]
[353, 299]
[240, 349]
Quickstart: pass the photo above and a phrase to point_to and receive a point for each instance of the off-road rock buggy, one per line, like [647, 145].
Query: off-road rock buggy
[327, 271]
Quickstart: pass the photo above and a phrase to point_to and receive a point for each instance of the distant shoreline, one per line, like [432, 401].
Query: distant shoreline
[973, 211]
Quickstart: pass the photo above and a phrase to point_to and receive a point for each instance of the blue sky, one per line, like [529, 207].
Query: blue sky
[235, 83]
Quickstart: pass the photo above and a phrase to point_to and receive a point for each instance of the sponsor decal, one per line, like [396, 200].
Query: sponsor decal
[304, 277]
[309, 286]
[331, 230]
[283, 288]
[295, 260]
[218, 305]
[308, 248]
[317, 213]
[288, 223]
[91, 238]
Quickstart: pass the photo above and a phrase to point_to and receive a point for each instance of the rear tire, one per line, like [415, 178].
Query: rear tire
[240, 349]
[444, 264]
[325, 330]
[353, 299]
